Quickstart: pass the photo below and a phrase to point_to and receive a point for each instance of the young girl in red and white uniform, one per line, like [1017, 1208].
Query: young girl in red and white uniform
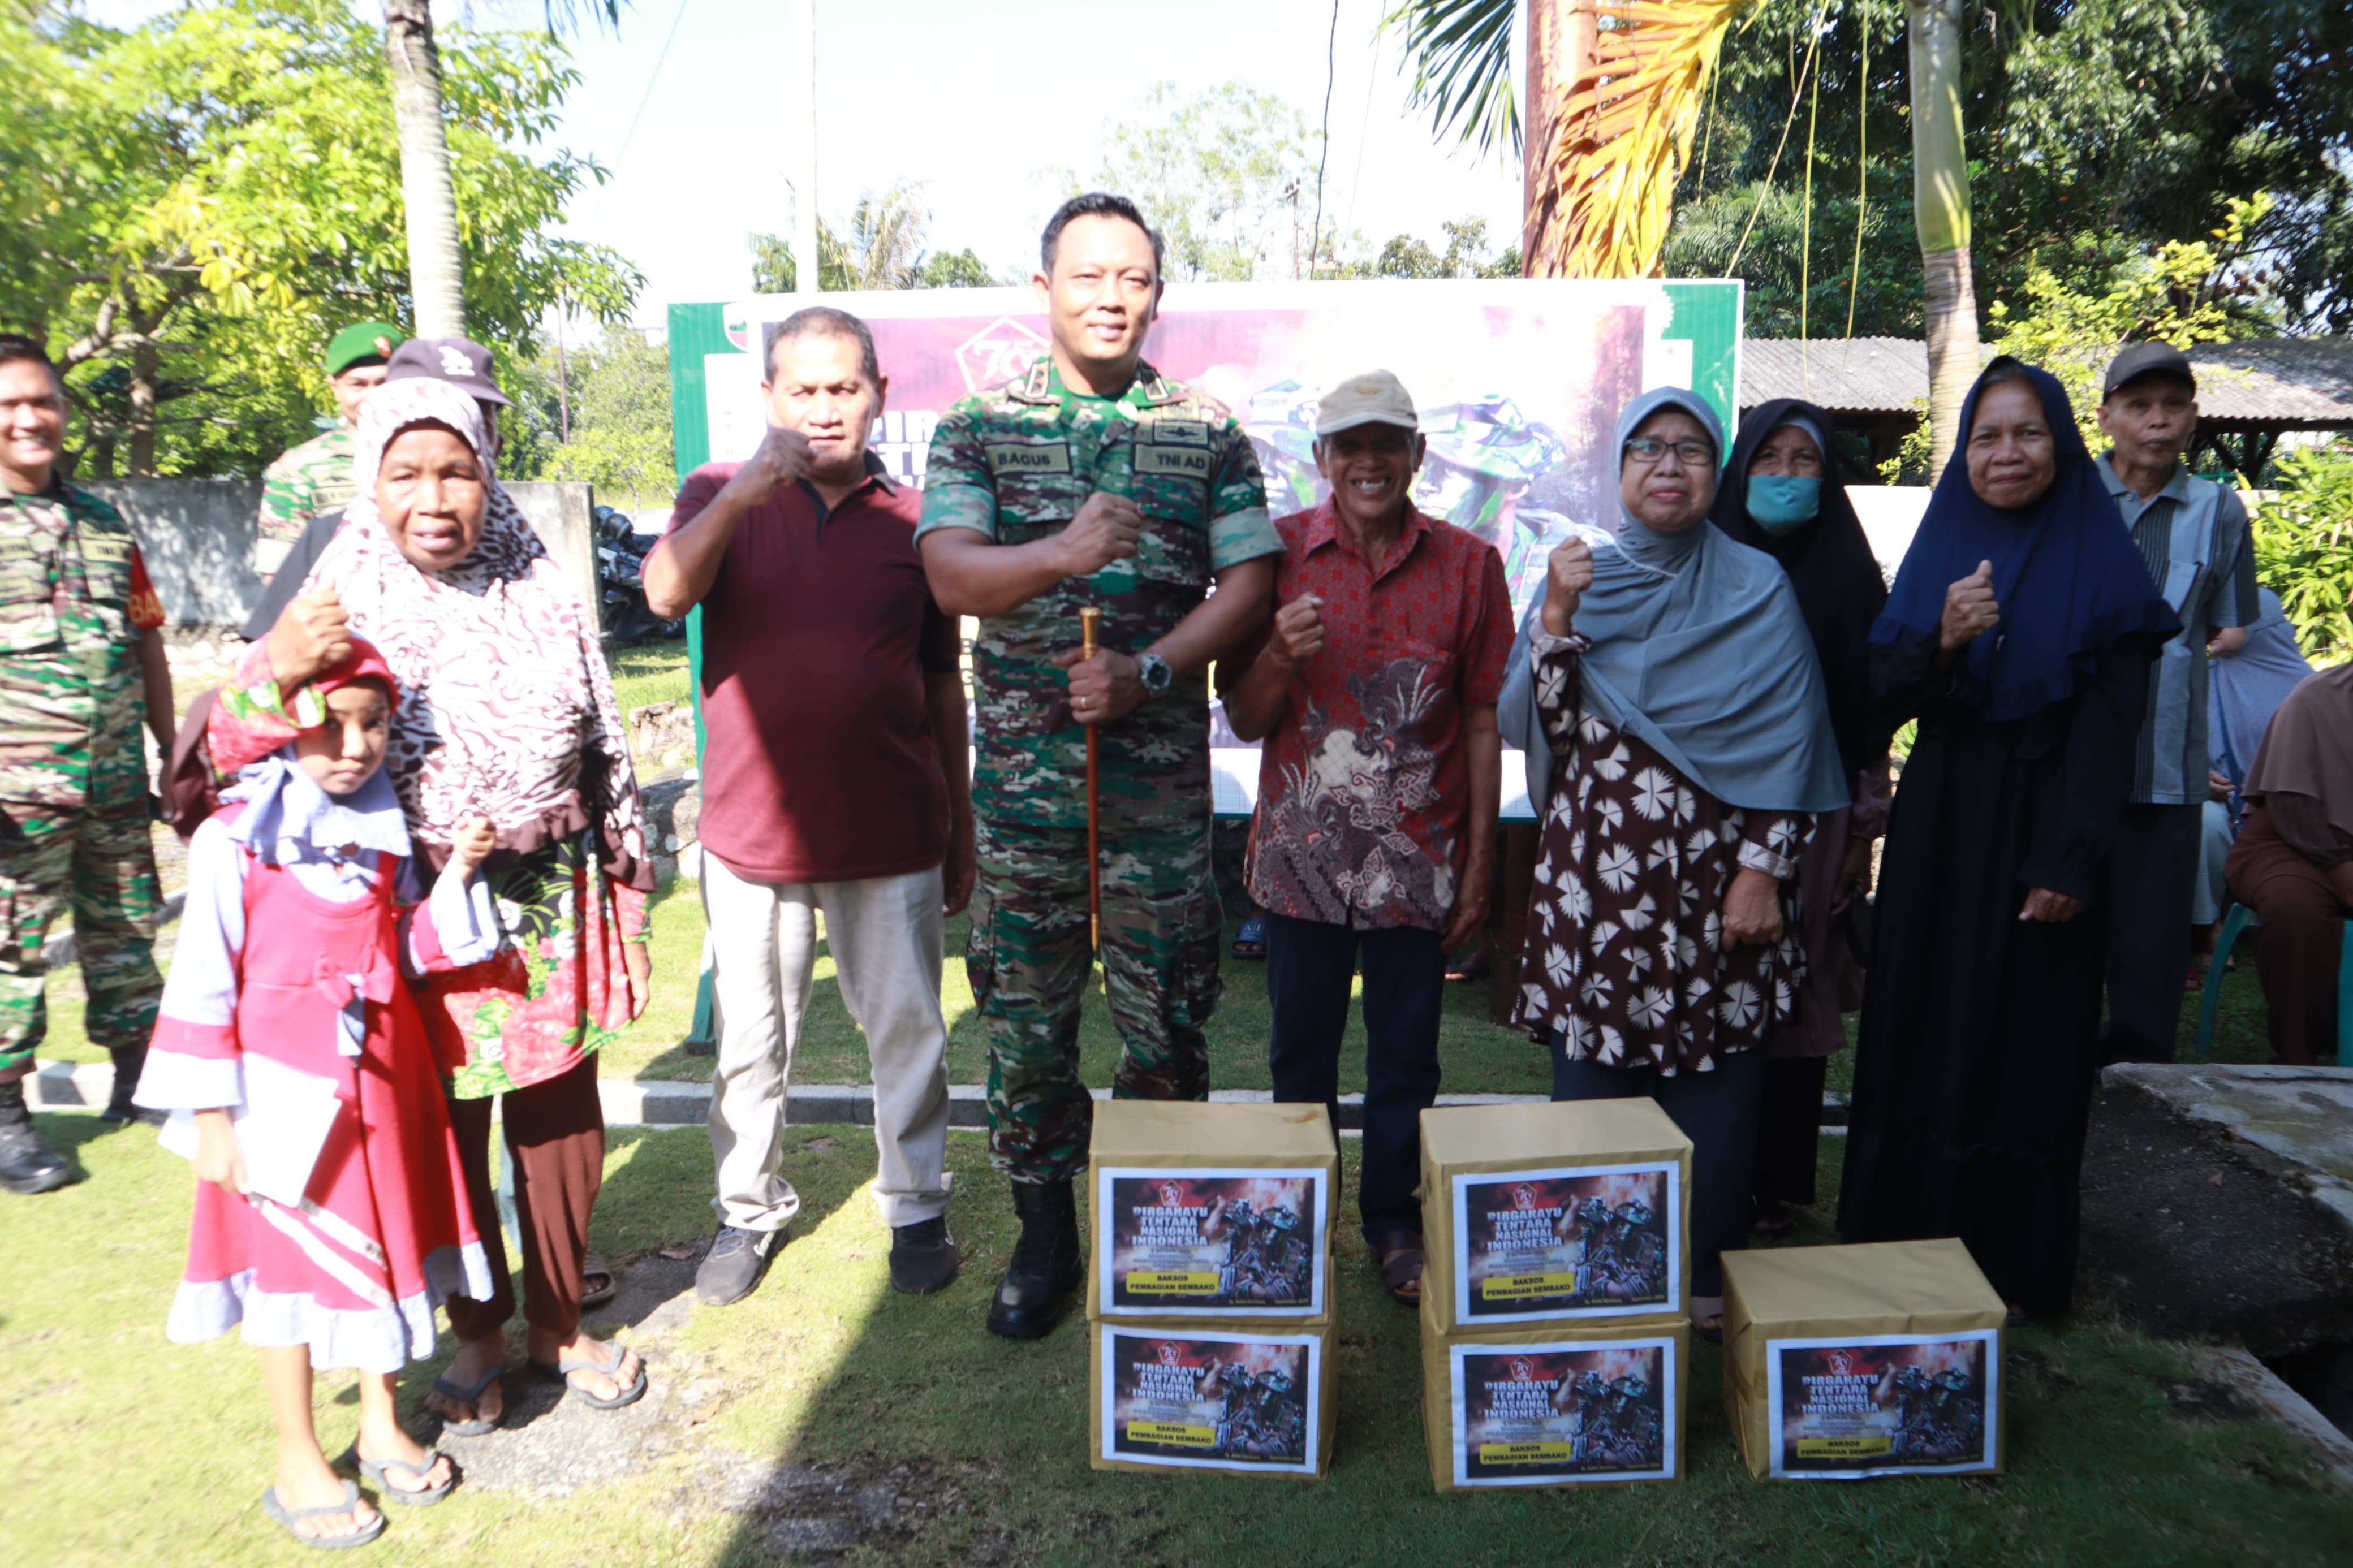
[330, 1213]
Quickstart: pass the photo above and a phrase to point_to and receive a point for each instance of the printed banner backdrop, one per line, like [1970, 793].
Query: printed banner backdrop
[1235, 1243]
[1880, 1404]
[1222, 1403]
[1595, 1241]
[1518, 382]
[1572, 1411]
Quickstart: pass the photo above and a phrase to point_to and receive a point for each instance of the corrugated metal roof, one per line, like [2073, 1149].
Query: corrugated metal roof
[2295, 381]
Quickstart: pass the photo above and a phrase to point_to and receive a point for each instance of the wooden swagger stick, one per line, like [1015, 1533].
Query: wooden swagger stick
[1089, 629]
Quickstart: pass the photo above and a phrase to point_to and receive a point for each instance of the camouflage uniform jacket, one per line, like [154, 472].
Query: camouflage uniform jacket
[74, 603]
[305, 480]
[1015, 463]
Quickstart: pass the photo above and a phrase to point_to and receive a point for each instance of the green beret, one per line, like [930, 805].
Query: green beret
[362, 342]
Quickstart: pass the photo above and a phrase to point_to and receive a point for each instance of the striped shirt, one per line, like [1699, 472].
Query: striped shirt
[2197, 550]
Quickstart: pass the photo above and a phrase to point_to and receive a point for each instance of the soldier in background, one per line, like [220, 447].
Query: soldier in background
[316, 477]
[81, 661]
[1091, 480]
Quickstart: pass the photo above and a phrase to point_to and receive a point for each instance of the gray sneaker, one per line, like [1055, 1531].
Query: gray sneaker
[733, 1265]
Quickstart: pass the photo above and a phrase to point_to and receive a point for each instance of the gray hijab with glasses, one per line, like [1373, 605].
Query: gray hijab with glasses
[1699, 649]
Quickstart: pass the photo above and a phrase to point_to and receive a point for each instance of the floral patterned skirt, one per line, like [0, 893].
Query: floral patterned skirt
[559, 990]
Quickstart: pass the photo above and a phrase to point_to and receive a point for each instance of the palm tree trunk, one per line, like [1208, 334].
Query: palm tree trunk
[1561, 37]
[1940, 200]
[436, 277]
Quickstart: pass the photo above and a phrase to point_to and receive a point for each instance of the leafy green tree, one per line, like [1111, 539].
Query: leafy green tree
[189, 207]
[2303, 548]
[613, 392]
[1221, 174]
[883, 249]
[1405, 256]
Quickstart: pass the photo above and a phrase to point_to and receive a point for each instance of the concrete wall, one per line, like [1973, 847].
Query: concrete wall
[197, 538]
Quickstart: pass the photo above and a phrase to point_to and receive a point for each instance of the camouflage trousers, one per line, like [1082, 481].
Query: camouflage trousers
[104, 863]
[1029, 967]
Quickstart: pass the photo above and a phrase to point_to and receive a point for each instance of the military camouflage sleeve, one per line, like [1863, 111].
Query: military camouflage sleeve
[287, 501]
[1240, 529]
[957, 489]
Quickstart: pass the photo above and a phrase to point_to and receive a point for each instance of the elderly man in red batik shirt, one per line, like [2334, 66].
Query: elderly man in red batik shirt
[1378, 786]
[833, 780]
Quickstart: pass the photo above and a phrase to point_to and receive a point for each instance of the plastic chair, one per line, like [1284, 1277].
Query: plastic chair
[2235, 924]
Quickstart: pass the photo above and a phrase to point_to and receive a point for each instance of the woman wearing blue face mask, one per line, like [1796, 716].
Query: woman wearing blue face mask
[1781, 495]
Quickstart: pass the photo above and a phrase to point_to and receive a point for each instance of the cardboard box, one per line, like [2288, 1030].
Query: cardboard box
[1572, 1211]
[1842, 1362]
[1208, 1212]
[1249, 1399]
[1558, 1404]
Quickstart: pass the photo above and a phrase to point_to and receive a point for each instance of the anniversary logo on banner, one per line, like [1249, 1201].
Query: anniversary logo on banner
[1243, 1242]
[1236, 1400]
[1882, 1404]
[1595, 1240]
[1574, 1411]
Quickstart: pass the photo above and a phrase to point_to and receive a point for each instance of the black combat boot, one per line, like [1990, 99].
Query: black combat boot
[129, 1062]
[28, 1163]
[1046, 1267]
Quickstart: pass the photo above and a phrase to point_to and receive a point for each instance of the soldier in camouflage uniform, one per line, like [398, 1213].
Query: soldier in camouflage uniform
[1091, 480]
[80, 662]
[316, 477]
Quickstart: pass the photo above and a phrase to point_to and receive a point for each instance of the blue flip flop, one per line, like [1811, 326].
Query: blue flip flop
[291, 1517]
[473, 1396]
[373, 1470]
[561, 1372]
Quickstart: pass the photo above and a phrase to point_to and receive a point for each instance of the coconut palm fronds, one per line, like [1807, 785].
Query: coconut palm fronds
[1622, 134]
[1462, 65]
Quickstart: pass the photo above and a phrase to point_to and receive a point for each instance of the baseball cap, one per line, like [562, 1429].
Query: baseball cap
[362, 343]
[461, 362]
[1376, 397]
[2148, 359]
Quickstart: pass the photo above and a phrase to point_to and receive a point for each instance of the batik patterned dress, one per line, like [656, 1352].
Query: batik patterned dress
[1625, 952]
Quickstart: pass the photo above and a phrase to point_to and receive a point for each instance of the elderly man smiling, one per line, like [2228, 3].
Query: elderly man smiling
[1379, 784]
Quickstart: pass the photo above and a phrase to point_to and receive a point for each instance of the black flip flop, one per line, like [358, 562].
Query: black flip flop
[291, 1517]
[473, 1396]
[373, 1470]
[1401, 1267]
[561, 1372]
[590, 1268]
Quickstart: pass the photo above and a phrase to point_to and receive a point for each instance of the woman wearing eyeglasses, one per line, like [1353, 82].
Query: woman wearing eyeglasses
[1669, 701]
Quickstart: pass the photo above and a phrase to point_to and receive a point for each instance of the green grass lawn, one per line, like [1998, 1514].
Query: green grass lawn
[126, 1449]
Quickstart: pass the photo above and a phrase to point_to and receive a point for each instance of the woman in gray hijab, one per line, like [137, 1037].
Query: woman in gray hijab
[1671, 705]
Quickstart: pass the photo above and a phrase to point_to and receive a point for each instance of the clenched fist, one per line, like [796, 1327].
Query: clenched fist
[313, 632]
[783, 457]
[1568, 576]
[1970, 611]
[473, 844]
[1105, 530]
[1298, 630]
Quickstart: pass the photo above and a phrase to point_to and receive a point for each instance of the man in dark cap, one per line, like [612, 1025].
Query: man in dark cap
[2192, 535]
[316, 477]
[460, 362]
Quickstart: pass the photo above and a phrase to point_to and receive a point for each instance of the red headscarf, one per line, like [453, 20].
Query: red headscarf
[362, 663]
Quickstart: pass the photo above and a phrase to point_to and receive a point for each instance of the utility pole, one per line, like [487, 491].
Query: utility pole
[800, 50]
[563, 379]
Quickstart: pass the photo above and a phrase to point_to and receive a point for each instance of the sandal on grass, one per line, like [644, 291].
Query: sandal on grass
[291, 1517]
[1772, 1219]
[1249, 942]
[592, 1268]
[562, 1372]
[1401, 1273]
[376, 1470]
[473, 1396]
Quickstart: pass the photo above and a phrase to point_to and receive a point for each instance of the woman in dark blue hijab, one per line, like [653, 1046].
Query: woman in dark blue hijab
[2018, 634]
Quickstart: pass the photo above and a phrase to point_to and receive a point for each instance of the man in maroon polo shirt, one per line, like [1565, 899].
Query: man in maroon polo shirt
[1378, 788]
[833, 779]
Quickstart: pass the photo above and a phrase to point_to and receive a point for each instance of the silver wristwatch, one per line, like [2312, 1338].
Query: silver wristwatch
[1153, 672]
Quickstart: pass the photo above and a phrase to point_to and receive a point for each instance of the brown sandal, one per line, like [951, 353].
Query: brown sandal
[1401, 1273]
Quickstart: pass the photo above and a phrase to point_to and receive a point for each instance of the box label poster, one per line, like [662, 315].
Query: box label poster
[1592, 1241]
[1237, 1242]
[1228, 1401]
[1878, 1405]
[1575, 1411]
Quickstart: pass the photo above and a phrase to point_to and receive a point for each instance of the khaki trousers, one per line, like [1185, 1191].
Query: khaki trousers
[885, 936]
